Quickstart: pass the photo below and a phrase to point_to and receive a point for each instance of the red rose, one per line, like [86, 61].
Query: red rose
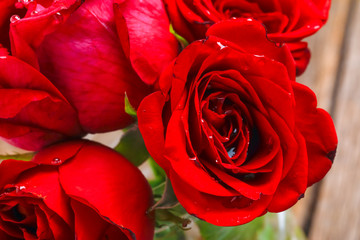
[78, 48]
[74, 190]
[285, 21]
[33, 112]
[235, 133]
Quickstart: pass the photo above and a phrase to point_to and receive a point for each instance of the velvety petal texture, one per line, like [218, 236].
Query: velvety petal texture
[285, 21]
[33, 112]
[92, 51]
[235, 133]
[74, 190]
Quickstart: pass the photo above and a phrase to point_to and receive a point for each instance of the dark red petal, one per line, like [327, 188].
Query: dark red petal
[318, 129]
[43, 182]
[26, 98]
[4, 236]
[83, 50]
[11, 169]
[217, 210]
[250, 35]
[26, 34]
[294, 183]
[151, 126]
[301, 55]
[59, 153]
[90, 225]
[151, 45]
[184, 165]
[100, 175]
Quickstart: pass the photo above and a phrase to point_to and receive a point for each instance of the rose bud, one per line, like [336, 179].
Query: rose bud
[236, 135]
[74, 190]
[78, 48]
[285, 21]
[33, 112]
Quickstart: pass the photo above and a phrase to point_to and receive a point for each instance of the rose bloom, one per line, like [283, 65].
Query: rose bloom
[74, 190]
[235, 133]
[285, 21]
[92, 52]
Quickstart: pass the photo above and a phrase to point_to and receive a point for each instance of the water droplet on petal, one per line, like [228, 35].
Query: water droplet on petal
[22, 188]
[34, 12]
[56, 161]
[14, 18]
[221, 45]
[193, 158]
[58, 18]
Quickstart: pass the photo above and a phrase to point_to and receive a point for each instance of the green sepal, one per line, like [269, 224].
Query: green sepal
[129, 109]
[132, 146]
[247, 231]
[183, 42]
[18, 156]
[159, 175]
[168, 199]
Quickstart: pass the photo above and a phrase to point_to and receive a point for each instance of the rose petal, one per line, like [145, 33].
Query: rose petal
[318, 129]
[151, 45]
[83, 50]
[127, 195]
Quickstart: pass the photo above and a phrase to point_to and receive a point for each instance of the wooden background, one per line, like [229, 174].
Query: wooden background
[331, 209]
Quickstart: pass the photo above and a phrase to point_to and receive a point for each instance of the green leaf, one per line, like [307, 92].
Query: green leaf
[244, 232]
[168, 199]
[18, 156]
[132, 146]
[159, 174]
[263, 228]
[169, 233]
[129, 109]
[181, 40]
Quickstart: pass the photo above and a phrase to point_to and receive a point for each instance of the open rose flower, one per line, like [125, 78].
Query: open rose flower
[93, 52]
[235, 133]
[285, 21]
[74, 190]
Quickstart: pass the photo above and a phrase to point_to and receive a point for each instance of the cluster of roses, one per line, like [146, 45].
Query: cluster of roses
[235, 133]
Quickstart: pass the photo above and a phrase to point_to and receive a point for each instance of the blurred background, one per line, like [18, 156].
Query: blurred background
[331, 208]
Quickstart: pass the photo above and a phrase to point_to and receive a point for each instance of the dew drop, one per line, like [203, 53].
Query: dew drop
[221, 45]
[22, 188]
[14, 18]
[34, 13]
[56, 161]
[233, 199]
[193, 158]
[217, 160]
[58, 18]
[211, 137]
